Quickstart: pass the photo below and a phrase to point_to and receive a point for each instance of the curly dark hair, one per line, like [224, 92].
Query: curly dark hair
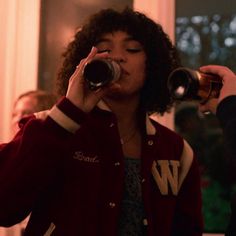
[162, 56]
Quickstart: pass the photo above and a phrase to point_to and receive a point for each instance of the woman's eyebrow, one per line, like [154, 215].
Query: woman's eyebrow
[102, 40]
[126, 39]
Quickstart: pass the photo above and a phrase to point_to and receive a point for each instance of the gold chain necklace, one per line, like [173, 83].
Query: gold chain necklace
[127, 139]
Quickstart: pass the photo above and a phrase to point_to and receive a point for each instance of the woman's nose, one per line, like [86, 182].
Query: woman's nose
[118, 56]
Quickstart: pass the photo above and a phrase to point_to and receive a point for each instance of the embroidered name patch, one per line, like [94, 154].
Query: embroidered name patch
[81, 157]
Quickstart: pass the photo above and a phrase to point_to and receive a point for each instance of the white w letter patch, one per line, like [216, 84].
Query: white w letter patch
[163, 175]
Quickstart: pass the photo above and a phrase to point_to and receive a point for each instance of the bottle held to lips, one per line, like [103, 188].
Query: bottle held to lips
[99, 72]
[187, 84]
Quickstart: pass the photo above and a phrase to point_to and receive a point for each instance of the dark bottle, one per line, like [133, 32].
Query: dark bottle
[100, 72]
[187, 84]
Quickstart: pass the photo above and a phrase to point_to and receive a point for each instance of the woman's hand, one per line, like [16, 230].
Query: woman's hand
[78, 92]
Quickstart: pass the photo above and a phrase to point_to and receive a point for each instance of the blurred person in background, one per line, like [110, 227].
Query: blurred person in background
[31, 102]
[225, 109]
[26, 104]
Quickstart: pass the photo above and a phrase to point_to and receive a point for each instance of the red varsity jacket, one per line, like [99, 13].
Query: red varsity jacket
[67, 169]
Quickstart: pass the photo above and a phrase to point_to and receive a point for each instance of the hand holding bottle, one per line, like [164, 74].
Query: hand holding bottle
[79, 91]
[229, 86]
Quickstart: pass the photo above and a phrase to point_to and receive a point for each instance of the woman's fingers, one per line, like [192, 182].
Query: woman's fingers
[78, 91]
[222, 71]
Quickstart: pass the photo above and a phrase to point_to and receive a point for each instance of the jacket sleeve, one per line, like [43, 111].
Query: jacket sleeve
[188, 219]
[226, 112]
[33, 159]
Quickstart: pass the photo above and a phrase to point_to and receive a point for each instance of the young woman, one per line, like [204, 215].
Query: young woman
[96, 164]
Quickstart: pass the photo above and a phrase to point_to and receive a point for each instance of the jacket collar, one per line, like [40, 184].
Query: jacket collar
[150, 128]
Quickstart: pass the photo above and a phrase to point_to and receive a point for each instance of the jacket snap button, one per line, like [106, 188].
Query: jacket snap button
[145, 222]
[150, 142]
[117, 163]
[112, 204]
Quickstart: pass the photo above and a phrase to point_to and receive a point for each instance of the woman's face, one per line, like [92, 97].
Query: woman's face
[130, 54]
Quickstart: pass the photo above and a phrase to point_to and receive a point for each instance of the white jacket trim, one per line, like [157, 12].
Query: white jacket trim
[63, 120]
